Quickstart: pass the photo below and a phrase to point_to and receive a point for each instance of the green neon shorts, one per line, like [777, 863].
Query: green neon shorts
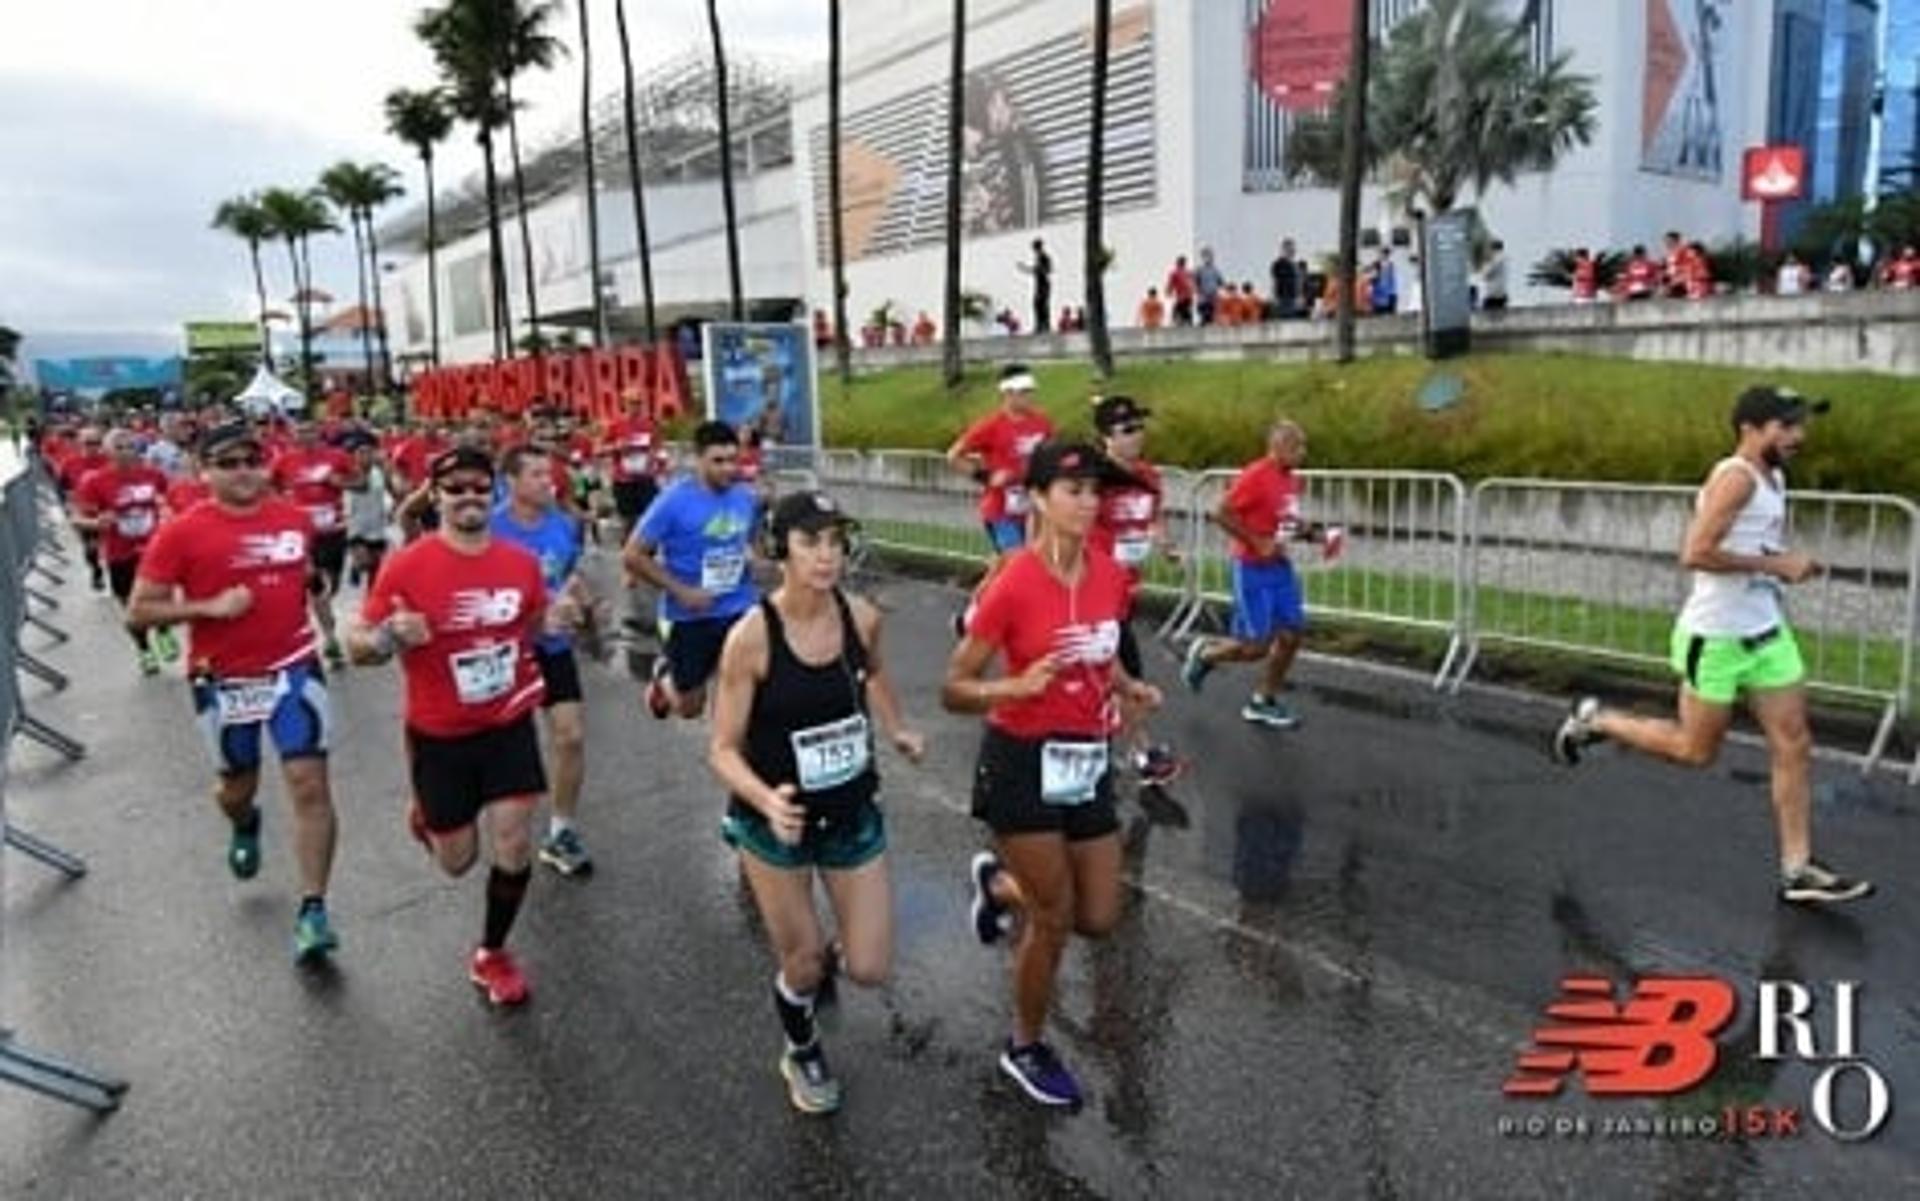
[853, 841]
[1718, 670]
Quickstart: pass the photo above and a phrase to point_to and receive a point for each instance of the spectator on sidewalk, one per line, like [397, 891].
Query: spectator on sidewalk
[1676, 266]
[1180, 291]
[1793, 278]
[1384, 284]
[1840, 276]
[1041, 269]
[1493, 278]
[1640, 280]
[1586, 277]
[1207, 282]
[1226, 306]
[1697, 272]
[1902, 273]
[1289, 278]
[923, 329]
[1153, 310]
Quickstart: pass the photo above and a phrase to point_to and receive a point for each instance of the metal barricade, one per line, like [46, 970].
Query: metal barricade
[1592, 570]
[18, 541]
[1404, 563]
[915, 502]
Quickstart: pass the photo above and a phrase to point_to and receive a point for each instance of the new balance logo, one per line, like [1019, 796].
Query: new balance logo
[483, 608]
[1658, 1043]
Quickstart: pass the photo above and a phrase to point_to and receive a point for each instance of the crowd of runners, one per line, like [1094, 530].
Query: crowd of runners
[466, 546]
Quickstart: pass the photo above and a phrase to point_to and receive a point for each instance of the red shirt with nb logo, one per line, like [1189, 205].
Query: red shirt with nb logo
[1028, 613]
[316, 480]
[476, 672]
[210, 549]
[1124, 528]
[129, 498]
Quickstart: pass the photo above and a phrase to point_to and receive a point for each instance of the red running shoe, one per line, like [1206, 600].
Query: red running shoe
[499, 975]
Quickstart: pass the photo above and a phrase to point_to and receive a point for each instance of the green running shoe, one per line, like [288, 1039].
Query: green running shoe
[243, 850]
[313, 937]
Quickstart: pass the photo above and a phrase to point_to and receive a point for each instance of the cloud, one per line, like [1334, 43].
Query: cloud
[141, 117]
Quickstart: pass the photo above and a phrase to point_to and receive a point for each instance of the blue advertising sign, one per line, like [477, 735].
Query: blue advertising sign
[104, 374]
[763, 376]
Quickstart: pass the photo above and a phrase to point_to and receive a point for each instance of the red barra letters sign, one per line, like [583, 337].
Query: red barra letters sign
[596, 384]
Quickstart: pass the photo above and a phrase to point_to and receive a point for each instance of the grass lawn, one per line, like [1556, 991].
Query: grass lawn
[1552, 416]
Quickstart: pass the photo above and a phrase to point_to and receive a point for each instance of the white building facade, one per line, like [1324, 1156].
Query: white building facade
[1195, 139]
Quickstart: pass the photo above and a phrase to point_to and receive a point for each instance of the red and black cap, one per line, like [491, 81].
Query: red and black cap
[808, 511]
[1112, 412]
[1064, 459]
[460, 458]
[225, 436]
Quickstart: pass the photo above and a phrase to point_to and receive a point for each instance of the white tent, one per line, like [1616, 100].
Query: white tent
[266, 394]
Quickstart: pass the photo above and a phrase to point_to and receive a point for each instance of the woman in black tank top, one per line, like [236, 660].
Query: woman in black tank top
[801, 686]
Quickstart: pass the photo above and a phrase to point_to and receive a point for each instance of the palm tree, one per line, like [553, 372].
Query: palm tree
[357, 190]
[421, 120]
[956, 130]
[736, 302]
[593, 190]
[842, 348]
[633, 170]
[526, 45]
[383, 185]
[294, 217]
[462, 36]
[1455, 101]
[337, 185]
[1102, 343]
[242, 217]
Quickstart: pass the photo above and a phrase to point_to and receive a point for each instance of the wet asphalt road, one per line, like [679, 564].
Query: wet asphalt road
[1339, 940]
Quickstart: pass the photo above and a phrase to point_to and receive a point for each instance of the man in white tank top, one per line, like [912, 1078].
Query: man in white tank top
[1732, 637]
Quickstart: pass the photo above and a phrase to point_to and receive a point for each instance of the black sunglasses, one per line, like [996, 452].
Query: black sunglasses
[469, 489]
[236, 462]
[1132, 427]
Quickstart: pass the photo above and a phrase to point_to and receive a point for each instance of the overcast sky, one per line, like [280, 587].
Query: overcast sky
[123, 123]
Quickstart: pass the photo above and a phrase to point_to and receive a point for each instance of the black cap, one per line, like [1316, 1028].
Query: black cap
[1059, 459]
[809, 511]
[225, 435]
[460, 458]
[1110, 412]
[1762, 403]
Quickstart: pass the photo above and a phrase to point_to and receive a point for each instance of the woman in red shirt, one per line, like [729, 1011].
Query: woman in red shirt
[1043, 784]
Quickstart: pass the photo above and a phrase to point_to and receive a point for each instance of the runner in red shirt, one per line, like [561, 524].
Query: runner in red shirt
[187, 491]
[120, 505]
[630, 446]
[1132, 529]
[1261, 514]
[86, 457]
[316, 478]
[235, 571]
[994, 452]
[1042, 786]
[461, 609]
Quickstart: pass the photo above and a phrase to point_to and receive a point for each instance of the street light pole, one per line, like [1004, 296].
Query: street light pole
[1352, 176]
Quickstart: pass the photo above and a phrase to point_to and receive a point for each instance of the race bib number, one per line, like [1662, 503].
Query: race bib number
[135, 523]
[1016, 502]
[247, 702]
[1131, 550]
[485, 673]
[635, 464]
[830, 755]
[323, 517]
[720, 570]
[1070, 772]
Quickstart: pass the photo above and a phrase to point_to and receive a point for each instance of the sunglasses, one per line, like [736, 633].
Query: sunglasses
[235, 462]
[1133, 427]
[467, 489]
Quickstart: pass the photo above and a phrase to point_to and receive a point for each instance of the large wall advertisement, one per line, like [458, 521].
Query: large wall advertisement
[1025, 146]
[1682, 125]
[1296, 56]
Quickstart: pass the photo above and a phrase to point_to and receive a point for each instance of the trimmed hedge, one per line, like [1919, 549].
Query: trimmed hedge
[1553, 416]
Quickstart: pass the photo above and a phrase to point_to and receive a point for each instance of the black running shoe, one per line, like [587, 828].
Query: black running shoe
[989, 915]
[1816, 885]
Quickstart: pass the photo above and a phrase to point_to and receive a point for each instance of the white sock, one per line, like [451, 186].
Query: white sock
[558, 826]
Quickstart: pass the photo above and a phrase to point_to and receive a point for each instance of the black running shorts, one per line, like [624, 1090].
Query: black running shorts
[455, 778]
[1006, 794]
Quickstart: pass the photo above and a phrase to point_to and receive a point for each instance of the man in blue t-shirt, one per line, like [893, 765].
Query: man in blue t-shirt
[530, 517]
[692, 544]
